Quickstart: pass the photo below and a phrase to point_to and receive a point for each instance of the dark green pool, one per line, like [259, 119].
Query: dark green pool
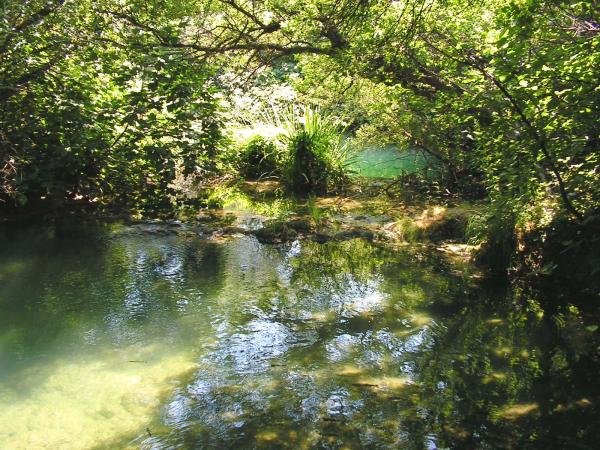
[154, 337]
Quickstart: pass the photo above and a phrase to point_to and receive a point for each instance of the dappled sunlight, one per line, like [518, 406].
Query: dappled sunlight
[514, 412]
[322, 316]
[267, 130]
[392, 384]
[495, 322]
[184, 340]
[494, 377]
[101, 399]
[581, 403]
[267, 436]
[350, 371]
[299, 224]
[458, 251]
[430, 215]
[503, 351]
[420, 320]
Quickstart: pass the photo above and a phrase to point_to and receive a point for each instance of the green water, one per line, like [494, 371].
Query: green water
[154, 337]
[389, 162]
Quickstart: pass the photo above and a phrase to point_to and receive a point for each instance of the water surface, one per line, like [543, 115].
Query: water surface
[117, 336]
[390, 162]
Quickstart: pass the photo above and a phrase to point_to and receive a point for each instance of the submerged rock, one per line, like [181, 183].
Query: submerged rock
[155, 228]
[230, 230]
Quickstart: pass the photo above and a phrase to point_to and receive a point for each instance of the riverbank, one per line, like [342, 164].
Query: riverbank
[366, 211]
[378, 211]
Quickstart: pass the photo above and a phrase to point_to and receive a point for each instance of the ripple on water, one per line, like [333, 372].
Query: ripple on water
[157, 340]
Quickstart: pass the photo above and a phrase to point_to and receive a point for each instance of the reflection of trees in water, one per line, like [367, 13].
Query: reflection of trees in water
[103, 283]
[45, 273]
[311, 344]
[334, 261]
[487, 373]
[312, 352]
[497, 379]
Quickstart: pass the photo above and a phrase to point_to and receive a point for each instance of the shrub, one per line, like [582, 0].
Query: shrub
[495, 232]
[407, 230]
[259, 158]
[317, 155]
[318, 215]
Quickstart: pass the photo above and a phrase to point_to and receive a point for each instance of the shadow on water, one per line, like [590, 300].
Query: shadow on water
[111, 336]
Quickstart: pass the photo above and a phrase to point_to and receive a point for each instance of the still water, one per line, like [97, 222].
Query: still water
[391, 162]
[116, 336]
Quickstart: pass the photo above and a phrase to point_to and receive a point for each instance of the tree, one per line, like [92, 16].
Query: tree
[88, 113]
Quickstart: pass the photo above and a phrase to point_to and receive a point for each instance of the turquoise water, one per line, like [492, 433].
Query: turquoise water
[154, 337]
[389, 162]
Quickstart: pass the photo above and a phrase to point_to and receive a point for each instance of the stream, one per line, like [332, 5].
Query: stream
[119, 336]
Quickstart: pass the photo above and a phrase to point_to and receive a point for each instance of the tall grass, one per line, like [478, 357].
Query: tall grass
[318, 156]
[318, 215]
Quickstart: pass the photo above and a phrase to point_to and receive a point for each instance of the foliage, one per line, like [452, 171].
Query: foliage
[482, 89]
[233, 196]
[407, 230]
[318, 155]
[259, 158]
[88, 114]
[317, 214]
[564, 257]
[261, 99]
[113, 100]
[503, 94]
[494, 231]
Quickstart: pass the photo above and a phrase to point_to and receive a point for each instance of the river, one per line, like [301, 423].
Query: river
[120, 336]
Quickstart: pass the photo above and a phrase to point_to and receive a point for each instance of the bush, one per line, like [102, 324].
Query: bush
[318, 215]
[565, 256]
[407, 230]
[494, 231]
[259, 158]
[317, 156]
[307, 171]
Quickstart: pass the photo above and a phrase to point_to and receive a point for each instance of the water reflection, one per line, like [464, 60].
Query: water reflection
[115, 336]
